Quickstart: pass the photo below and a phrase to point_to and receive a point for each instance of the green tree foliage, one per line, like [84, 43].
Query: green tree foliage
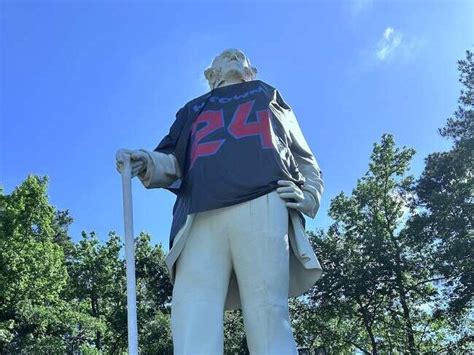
[377, 280]
[33, 274]
[27, 243]
[153, 297]
[446, 200]
[235, 341]
[57, 296]
[155, 334]
[443, 215]
[154, 286]
[97, 280]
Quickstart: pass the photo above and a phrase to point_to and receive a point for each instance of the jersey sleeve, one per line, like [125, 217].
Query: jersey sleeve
[169, 143]
[166, 162]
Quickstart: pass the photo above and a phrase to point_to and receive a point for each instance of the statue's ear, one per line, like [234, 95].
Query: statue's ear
[251, 73]
[211, 77]
[209, 74]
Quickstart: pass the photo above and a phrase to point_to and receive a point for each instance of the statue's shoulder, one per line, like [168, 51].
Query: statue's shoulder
[198, 99]
[186, 111]
[272, 91]
[265, 85]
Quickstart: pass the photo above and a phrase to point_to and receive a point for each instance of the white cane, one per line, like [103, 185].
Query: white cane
[129, 256]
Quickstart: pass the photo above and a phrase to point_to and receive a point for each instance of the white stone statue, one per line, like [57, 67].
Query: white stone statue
[243, 174]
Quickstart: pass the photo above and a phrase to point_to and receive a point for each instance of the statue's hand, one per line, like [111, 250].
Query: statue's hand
[295, 197]
[138, 160]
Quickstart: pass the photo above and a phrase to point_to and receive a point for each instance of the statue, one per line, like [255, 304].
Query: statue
[244, 176]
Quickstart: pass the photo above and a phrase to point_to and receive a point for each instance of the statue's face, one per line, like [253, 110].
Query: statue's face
[230, 64]
[231, 61]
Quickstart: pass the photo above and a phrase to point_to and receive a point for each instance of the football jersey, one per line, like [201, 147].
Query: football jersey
[232, 145]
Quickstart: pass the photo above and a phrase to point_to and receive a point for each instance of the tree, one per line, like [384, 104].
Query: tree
[33, 275]
[153, 297]
[32, 272]
[445, 193]
[376, 276]
[57, 296]
[154, 285]
[32, 266]
[444, 213]
[235, 341]
[314, 327]
[97, 280]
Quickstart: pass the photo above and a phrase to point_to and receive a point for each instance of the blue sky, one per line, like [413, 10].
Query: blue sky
[80, 80]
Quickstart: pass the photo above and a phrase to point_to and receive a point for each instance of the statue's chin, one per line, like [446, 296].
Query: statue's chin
[230, 74]
[234, 73]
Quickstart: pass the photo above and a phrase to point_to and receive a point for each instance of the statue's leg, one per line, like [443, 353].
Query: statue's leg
[202, 277]
[260, 252]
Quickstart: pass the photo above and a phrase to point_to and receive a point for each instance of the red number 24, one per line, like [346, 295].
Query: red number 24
[239, 128]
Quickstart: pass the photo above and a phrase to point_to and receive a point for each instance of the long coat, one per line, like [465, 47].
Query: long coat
[163, 169]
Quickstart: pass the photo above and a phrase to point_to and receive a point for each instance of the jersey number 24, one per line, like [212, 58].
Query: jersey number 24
[239, 127]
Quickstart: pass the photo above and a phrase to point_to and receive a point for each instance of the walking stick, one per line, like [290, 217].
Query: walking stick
[129, 256]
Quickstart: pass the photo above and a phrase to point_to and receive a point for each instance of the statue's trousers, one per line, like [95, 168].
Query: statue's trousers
[248, 241]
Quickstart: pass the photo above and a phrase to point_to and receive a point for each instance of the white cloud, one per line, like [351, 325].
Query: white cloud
[391, 41]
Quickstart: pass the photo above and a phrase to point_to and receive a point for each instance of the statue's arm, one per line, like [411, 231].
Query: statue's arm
[161, 170]
[313, 185]
[308, 166]
[308, 199]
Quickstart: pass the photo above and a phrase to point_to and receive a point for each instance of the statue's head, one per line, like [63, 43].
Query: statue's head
[230, 64]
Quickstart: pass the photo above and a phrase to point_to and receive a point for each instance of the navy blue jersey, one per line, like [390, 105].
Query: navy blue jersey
[232, 146]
